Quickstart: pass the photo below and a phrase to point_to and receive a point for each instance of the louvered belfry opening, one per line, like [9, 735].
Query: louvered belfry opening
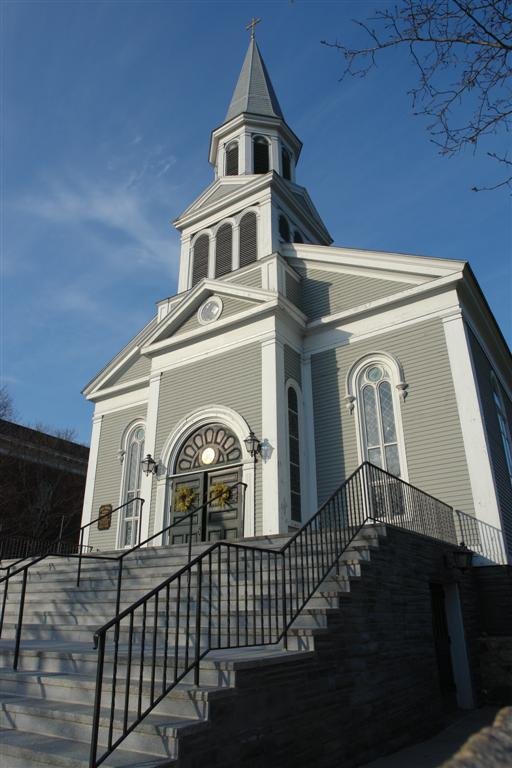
[200, 258]
[297, 237]
[284, 229]
[232, 159]
[223, 250]
[248, 239]
[260, 155]
[286, 164]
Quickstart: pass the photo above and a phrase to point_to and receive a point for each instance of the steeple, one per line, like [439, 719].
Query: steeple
[254, 92]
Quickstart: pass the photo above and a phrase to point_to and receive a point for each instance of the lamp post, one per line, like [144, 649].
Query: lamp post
[253, 446]
[149, 465]
[462, 557]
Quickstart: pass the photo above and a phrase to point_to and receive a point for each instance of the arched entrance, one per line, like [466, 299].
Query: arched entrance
[209, 459]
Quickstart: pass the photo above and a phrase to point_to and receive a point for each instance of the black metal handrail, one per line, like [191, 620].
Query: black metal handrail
[482, 538]
[238, 595]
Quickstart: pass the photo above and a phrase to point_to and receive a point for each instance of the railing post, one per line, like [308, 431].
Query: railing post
[97, 701]
[198, 620]
[79, 572]
[285, 619]
[119, 580]
[20, 619]
[4, 598]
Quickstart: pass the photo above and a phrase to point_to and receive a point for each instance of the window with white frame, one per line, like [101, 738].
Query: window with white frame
[130, 521]
[294, 454]
[503, 424]
[378, 418]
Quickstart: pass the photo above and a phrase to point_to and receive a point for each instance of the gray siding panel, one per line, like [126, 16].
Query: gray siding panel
[232, 379]
[231, 306]
[324, 292]
[251, 278]
[109, 472]
[292, 365]
[483, 371]
[137, 368]
[433, 438]
[294, 290]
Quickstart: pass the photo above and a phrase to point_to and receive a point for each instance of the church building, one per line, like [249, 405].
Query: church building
[284, 362]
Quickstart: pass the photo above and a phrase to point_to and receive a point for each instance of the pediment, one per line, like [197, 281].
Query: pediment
[236, 300]
[216, 192]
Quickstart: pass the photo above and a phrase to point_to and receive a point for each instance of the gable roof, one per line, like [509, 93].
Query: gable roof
[254, 92]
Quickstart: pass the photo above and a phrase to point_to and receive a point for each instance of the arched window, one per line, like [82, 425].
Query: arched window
[503, 424]
[248, 239]
[284, 229]
[200, 258]
[232, 159]
[378, 419]
[294, 454]
[132, 480]
[223, 250]
[286, 164]
[260, 151]
[297, 237]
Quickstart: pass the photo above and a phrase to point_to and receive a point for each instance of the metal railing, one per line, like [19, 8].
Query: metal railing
[235, 595]
[482, 538]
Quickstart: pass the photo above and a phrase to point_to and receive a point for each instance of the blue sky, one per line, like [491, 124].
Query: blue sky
[107, 112]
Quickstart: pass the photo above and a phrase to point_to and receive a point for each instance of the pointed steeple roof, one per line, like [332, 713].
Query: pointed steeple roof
[254, 92]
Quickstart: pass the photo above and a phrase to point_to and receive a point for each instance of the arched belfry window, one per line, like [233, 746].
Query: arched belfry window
[284, 229]
[132, 481]
[376, 387]
[223, 250]
[297, 237]
[502, 423]
[200, 258]
[294, 453]
[260, 150]
[248, 238]
[232, 159]
[286, 164]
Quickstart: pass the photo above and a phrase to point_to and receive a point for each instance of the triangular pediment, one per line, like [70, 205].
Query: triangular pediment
[218, 192]
[235, 301]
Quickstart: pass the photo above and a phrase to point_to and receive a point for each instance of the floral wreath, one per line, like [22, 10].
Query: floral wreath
[220, 494]
[184, 498]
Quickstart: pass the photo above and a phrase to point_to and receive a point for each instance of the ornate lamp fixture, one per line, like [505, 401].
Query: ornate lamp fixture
[252, 444]
[462, 557]
[149, 465]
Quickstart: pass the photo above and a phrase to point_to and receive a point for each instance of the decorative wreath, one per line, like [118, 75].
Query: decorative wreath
[184, 498]
[220, 494]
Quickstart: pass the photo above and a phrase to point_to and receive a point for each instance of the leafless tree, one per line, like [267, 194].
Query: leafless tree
[7, 410]
[462, 52]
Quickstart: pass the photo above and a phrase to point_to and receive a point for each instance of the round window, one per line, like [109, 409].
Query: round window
[210, 311]
[208, 455]
[374, 373]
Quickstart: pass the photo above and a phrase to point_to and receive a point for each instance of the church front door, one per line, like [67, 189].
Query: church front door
[206, 466]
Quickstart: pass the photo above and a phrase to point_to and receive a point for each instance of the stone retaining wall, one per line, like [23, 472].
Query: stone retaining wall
[489, 748]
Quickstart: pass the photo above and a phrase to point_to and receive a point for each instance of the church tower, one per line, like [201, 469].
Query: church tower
[254, 204]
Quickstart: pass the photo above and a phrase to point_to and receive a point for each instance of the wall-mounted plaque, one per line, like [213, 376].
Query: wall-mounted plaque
[105, 517]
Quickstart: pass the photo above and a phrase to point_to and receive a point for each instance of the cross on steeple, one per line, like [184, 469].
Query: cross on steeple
[252, 26]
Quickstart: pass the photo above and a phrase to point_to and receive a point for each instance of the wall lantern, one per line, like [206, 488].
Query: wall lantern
[149, 465]
[252, 444]
[462, 557]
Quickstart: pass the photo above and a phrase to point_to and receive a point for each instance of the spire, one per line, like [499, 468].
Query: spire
[254, 92]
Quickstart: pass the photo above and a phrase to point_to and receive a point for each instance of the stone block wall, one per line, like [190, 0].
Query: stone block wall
[370, 686]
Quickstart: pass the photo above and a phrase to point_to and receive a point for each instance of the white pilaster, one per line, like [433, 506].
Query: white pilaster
[87, 515]
[471, 421]
[183, 281]
[275, 155]
[236, 246]
[149, 447]
[246, 153]
[273, 432]
[211, 255]
[310, 496]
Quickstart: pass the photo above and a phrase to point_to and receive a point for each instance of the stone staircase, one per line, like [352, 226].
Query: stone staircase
[47, 703]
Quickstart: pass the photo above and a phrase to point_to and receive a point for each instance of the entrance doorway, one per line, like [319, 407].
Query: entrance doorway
[442, 644]
[209, 460]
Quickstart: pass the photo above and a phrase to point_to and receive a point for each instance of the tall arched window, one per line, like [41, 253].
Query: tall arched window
[248, 239]
[200, 258]
[260, 150]
[130, 520]
[286, 164]
[294, 454]
[223, 250]
[284, 229]
[232, 159]
[503, 424]
[297, 237]
[378, 418]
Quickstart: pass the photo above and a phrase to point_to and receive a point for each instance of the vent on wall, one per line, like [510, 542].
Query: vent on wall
[232, 159]
[223, 250]
[200, 258]
[248, 239]
[260, 155]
